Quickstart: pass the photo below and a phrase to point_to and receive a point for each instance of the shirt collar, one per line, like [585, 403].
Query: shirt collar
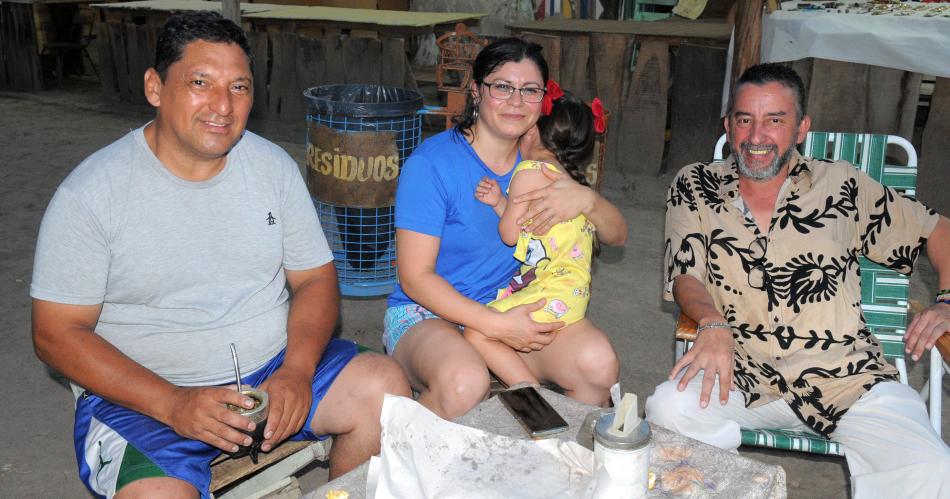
[799, 170]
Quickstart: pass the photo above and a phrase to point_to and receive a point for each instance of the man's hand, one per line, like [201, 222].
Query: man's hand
[560, 201]
[202, 414]
[519, 331]
[290, 396]
[488, 191]
[926, 328]
[712, 353]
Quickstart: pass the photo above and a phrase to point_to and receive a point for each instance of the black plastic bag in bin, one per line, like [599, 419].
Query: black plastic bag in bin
[371, 232]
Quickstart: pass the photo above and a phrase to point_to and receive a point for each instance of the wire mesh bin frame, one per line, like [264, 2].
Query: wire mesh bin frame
[363, 240]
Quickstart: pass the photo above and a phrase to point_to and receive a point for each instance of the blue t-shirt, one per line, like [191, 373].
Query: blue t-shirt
[436, 196]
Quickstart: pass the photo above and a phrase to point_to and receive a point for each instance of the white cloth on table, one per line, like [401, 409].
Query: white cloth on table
[891, 449]
[423, 455]
[912, 43]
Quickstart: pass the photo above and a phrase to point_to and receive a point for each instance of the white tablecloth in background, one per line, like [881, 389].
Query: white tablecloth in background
[912, 43]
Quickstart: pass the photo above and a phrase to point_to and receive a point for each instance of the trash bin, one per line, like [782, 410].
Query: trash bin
[358, 138]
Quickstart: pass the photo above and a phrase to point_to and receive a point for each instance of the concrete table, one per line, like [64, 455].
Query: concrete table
[683, 466]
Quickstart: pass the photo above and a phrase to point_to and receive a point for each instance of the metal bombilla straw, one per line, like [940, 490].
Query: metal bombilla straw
[237, 369]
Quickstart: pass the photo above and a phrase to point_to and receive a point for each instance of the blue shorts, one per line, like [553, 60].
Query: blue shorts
[116, 446]
[399, 319]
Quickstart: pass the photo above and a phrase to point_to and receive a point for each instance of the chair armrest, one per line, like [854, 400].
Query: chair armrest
[685, 328]
[943, 344]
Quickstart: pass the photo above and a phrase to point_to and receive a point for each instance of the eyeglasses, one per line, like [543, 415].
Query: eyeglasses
[758, 277]
[504, 91]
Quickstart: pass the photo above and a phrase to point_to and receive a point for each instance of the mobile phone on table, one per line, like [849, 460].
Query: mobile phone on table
[534, 413]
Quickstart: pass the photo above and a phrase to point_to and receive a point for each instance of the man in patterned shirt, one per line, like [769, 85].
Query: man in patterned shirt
[762, 252]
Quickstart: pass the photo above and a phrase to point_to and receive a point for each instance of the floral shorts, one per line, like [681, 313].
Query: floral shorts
[400, 319]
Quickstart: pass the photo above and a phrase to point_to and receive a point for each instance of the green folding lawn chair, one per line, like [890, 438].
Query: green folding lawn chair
[884, 292]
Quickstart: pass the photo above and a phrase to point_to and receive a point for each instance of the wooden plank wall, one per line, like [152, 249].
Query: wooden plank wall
[285, 65]
[849, 97]
[551, 48]
[575, 65]
[610, 60]
[4, 47]
[933, 183]
[260, 47]
[841, 97]
[19, 61]
[695, 104]
[299, 63]
[598, 65]
[643, 129]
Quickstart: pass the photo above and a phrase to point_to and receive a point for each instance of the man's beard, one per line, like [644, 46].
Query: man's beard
[767, 173]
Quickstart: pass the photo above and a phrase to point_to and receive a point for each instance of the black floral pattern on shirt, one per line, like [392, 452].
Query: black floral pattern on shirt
[818, 362]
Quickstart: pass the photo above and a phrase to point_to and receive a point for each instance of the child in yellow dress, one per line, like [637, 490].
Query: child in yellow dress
[555, 265]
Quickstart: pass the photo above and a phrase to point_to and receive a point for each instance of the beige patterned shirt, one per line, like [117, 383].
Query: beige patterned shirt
[793, 295]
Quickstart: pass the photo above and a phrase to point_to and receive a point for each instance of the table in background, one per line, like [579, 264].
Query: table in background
[22, 40]
[686, 463]
[909, 42]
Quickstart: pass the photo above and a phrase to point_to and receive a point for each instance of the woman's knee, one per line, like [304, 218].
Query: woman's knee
[598, 364]
[460, 387]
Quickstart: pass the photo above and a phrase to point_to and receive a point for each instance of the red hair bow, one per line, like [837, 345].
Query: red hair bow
[600, 124]
[552, 93]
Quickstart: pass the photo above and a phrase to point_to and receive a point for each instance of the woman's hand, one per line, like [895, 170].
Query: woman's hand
[519, 331]
[562, 200]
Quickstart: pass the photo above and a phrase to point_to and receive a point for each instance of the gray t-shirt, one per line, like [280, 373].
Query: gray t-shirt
[181, 268]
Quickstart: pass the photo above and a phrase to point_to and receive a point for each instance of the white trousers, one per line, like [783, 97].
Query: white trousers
[891, 449]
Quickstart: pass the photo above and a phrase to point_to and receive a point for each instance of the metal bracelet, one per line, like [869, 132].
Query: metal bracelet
[713, 325]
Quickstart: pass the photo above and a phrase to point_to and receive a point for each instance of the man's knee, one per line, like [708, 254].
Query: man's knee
[157, 487]
[380, 374]
[889, 425]
[667, 405]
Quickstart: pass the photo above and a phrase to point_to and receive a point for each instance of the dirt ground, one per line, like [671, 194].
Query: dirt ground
[44, 135]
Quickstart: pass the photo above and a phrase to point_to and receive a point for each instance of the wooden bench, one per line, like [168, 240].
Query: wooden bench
[273, 473]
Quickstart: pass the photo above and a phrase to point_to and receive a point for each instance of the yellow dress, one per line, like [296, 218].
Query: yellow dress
[555, 266]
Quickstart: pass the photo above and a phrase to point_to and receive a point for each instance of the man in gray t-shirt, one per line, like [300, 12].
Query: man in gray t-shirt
[163, 248]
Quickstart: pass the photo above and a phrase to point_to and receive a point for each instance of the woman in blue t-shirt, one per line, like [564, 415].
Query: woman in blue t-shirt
[452, 260]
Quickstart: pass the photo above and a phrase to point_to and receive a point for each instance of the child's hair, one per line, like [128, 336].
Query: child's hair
[568, 132]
